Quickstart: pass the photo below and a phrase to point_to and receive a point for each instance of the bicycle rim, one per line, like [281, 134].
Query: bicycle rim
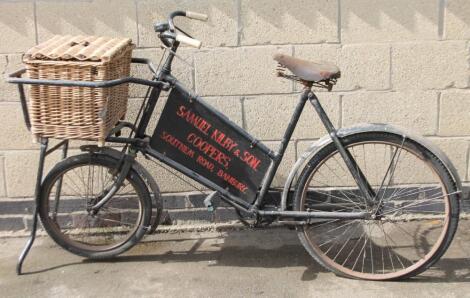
[413, 207]
[70, 217]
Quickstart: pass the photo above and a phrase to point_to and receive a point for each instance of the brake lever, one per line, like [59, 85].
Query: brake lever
[181, 30]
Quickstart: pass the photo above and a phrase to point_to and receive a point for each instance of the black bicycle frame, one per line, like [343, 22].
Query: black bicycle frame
[137, 144]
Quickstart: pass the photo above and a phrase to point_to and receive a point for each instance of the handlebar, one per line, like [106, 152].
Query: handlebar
[168, 29]
[197, 16]
[188, 40]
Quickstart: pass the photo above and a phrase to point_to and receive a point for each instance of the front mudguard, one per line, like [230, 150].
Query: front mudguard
[154, 190]
[363, 128]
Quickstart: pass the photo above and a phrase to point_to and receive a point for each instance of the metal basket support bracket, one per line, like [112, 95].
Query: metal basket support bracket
[37, 194]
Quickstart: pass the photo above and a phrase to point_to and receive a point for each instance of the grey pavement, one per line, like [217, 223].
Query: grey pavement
[243, 263]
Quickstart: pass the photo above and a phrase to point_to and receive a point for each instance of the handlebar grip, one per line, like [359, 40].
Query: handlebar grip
[197, 16]
[188, 40]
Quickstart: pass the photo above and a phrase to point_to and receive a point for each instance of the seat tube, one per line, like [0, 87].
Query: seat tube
[268, 179]
[351, 164]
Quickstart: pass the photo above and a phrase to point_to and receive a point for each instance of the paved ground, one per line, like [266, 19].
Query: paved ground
[267, 263]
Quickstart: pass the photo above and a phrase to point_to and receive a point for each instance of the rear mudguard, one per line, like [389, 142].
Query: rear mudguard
[154, 190]
[363, 128]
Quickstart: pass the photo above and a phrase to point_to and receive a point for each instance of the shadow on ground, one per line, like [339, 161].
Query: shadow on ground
[268, 249]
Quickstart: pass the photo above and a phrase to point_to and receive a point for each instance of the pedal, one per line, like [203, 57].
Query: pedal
[208, 201]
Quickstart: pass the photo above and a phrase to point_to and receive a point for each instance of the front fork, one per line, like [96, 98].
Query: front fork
[123, 169]
[351, 164]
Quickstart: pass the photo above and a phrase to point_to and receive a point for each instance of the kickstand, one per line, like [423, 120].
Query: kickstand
[37, 194]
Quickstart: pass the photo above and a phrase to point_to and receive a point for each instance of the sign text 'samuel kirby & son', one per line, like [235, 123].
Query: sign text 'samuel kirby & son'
[191, 134]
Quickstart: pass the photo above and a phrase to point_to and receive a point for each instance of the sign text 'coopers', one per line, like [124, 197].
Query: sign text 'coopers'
[193, 135]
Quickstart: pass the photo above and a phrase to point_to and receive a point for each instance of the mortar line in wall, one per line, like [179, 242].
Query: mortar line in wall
[468, 158]
[184, 193]
[18, 215]
[242, 102]
[339, 21]
[7, 61]
[238, 7]
[346, 92]
[390, 70]
[293, 82]
[438, 121]
[337, 92]
[171, 210]
[467, 46]
[192, 209]
[443, 137]
[269, 45]
[296, 175]
[340, 112]
[441, 18]
[16, 199]
[272, 140]
[295, 149]
[4, 168]
[137, 21]
[319, 92]
[193, 74]
[288, 44]
[308, 139]
[35, 15]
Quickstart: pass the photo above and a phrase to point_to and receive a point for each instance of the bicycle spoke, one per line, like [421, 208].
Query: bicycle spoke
[358, 224]
[391, 243]
[354, 248]
[336, 239]
[114, 222]
[416, 203]
[396, 255]
[411, 194]
[391, 168]
[333, 229]
[330, 195]
[340, 190]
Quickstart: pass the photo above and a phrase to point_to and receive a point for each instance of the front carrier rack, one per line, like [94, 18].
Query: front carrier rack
[16, 78]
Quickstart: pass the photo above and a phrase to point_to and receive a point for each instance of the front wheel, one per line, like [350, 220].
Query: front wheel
[415, 208]
[79, 182]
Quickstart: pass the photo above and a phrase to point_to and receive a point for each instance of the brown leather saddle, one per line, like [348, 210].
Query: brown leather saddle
[307, 70]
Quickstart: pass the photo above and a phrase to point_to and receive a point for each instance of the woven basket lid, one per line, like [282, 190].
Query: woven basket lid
[78, 48]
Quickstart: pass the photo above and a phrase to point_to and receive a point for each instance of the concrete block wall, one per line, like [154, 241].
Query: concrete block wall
[404, 62]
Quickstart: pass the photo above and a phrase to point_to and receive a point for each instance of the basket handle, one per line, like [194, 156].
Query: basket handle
[82, 43]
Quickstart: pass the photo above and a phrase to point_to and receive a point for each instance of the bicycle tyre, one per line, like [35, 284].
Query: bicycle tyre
[93, 251]
[452, 213]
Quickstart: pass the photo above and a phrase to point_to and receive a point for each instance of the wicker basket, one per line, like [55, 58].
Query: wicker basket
[78, 112]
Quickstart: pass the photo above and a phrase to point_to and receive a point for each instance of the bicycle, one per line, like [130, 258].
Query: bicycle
[369, 202]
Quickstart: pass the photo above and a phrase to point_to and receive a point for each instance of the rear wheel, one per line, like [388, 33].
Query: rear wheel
[416, 205]
[76, 184]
